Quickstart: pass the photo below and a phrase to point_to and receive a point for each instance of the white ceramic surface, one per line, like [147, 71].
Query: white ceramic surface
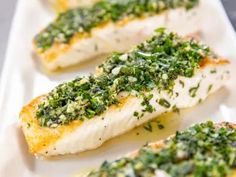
[23, 79]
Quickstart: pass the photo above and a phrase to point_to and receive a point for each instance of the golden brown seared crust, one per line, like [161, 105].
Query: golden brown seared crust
[233, 174]
[213, 61]
[40, 138]
[63, 5]
[37, 137]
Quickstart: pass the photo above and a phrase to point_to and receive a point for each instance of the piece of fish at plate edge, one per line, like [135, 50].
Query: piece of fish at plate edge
[205, 149]
[81, 34]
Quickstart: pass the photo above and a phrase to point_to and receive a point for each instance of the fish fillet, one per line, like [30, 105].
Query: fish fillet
[84, 134]
[108, 36]
[140, 157]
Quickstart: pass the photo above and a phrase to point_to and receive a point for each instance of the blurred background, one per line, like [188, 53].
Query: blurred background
[7, 11]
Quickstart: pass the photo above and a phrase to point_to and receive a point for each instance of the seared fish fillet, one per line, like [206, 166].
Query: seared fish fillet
[164, 73]
[205, 149]
[63, 5]
[86, 32]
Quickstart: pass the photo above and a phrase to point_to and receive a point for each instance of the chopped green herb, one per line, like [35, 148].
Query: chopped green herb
[163, 102]
[177, 94]
[148, 127]
[138, 71]
[136, 114]
[193, 90]
[83, 19]
[146, 103]
[209, 88]
[160, 126]
[213, 71]
[28, 125]
[181, 83]
[199, 101]
[175, 109]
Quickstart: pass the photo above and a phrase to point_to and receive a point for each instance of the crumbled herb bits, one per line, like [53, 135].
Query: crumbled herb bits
[160, 126]
[193, 90]
[163, 102]
[148, 127]
[137, 73]
[202, 150]
[83, 19]
[209, 88]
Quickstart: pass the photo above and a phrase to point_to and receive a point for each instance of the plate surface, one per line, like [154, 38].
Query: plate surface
[23, 79]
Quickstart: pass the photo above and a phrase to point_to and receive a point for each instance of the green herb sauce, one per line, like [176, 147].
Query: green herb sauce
[137, 73]
[200, 151]
[83, 20]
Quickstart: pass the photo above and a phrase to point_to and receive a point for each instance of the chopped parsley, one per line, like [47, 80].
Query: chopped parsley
[175, 109]
[137, 73]
[181, 83]
[199, 101]
[136, 114]
[160, 126]
[83, 19]
[163, 102]
[146, 103]
[213, 71]
[148, 127]
[193, 90]
[209, 88]
[203, 150]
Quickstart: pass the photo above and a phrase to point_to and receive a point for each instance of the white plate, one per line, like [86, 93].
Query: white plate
[23, 79]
